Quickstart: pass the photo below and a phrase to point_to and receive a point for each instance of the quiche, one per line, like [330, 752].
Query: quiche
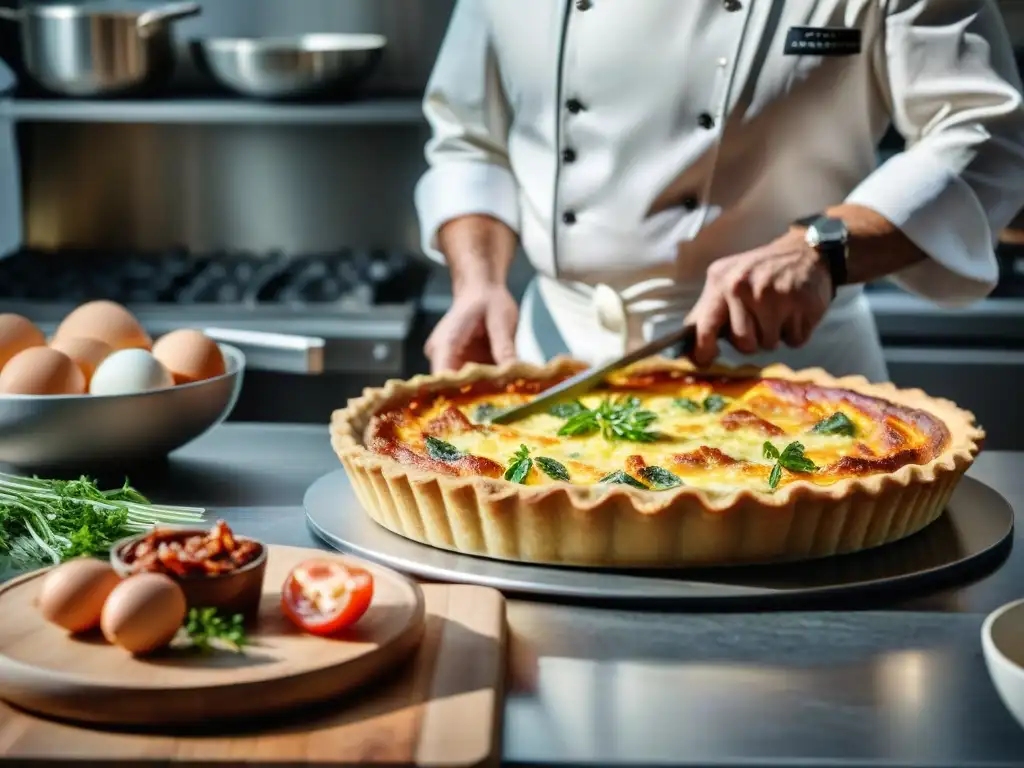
[662, 466]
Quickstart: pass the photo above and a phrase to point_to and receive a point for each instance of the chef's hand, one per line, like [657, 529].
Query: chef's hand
[778, 292]
[480, 327]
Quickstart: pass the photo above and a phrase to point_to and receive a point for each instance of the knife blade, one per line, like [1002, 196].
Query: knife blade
[584, 381]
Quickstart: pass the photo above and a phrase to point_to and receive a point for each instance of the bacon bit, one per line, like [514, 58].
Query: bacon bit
[864, 451]
[705, 456]
[739, 419]
[185, 555]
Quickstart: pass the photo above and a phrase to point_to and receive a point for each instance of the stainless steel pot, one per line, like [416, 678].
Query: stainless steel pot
[75, 50]
[289, 67]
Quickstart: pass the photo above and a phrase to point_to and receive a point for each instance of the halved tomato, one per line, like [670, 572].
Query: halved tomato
[323, 597]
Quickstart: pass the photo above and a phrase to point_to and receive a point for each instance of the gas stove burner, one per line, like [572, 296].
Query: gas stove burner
[348, 278]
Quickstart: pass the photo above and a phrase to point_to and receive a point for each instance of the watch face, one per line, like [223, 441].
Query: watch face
[829, 230]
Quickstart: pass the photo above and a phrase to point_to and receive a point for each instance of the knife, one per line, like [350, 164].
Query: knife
[584, 381]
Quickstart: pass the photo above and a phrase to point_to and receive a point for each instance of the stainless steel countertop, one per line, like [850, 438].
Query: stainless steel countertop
[885, 685]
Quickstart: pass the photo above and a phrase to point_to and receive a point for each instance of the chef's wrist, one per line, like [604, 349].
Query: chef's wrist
[479, 250]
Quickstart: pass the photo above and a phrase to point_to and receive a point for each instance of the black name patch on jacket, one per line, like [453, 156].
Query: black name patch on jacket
[822, 41]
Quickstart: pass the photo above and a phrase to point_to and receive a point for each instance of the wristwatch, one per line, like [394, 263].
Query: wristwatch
[830, 238]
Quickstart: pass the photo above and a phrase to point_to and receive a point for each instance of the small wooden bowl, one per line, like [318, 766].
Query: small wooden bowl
[237, 592]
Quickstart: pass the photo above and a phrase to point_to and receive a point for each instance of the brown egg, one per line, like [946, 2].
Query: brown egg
[107, 321]
[41, 371]
[72, 595]
[143, 613]
[16, 334]
[189, 355]
[87, 353]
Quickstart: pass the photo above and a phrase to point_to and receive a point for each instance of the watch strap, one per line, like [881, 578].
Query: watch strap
[833, 252]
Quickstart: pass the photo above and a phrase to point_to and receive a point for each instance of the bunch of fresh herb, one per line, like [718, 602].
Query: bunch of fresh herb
[521, 463]
[44, 522]
[790, 458]
[621, 419]
[206, 630]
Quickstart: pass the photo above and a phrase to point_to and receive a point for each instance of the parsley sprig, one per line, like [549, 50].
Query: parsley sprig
[621, 419]
[206, 630]
[790, 458]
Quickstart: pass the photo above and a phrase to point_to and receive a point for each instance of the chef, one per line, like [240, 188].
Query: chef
[714, 162]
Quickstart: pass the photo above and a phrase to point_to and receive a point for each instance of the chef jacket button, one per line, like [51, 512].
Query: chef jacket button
[569, 155]
[569, 217]
[583, 5]
[690, 203]
[706, 121]
[610, 309]
[733, 5]
[575, 106]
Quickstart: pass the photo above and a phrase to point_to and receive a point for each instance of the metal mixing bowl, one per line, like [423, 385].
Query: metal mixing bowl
[289, 67]
[94, 430]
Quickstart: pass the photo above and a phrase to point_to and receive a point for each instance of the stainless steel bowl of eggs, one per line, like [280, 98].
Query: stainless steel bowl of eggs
[100, 391]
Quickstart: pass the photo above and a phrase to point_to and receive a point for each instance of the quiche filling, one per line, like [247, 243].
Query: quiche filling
[659, 431]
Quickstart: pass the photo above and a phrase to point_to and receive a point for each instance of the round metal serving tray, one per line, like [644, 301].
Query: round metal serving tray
[974, 533]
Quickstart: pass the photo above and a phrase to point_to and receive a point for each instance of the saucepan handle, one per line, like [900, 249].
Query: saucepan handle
[279, 352]
[170, 12]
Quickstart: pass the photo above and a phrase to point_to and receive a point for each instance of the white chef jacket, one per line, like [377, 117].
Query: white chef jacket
[630, 143]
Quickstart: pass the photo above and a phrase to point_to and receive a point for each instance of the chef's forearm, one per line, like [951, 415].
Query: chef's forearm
[877, 247]
[479, 250]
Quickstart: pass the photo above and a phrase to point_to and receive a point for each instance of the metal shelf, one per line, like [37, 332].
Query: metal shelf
[368, 112]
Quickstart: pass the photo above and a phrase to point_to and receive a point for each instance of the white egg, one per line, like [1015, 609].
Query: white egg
[129, 371]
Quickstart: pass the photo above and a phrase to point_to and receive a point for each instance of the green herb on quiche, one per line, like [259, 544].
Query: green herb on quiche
[836, 424]
[714, 403]
[554, 469]
[790, 458]
[519, 466]
[621, 419]
[441, 451]
[567, 410]
[484, 412]
[619, 477]
[687, 404]
[660, 479]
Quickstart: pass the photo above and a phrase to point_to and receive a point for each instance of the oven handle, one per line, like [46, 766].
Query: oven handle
[953, 356]
[278, 352]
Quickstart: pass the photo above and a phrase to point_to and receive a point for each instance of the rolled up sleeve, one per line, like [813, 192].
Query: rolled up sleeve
[947, 68]
[467, 153]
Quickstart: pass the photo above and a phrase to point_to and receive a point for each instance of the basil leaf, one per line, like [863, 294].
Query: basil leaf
[793, 459]
[485, 412]
[619, 477]
[553, 469]
[518, 470]
[770, 451]
[775, 476]
[836, 424]
[686, 404]
[567, 410]
[442, 451]
[714, 403]
[660, 479]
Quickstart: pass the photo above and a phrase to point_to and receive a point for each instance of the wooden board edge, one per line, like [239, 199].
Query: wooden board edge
[435, 743]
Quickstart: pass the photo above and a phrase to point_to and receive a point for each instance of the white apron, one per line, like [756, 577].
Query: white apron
[561, 319]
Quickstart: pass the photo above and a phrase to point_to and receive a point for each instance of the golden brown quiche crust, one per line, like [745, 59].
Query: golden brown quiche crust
[477, 512]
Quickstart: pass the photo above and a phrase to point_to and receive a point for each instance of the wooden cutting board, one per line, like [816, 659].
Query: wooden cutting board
[442, 707]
